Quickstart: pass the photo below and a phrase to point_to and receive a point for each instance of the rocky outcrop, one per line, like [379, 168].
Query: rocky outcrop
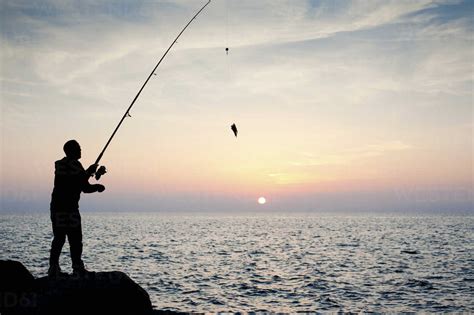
[95, 293]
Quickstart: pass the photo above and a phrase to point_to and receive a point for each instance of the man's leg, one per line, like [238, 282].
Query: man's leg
[74, 236]
[59, 237]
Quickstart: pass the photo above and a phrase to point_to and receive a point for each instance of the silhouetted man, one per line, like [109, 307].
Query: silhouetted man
[69, 181]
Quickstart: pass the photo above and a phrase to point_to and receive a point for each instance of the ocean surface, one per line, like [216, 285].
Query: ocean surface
[278, 263]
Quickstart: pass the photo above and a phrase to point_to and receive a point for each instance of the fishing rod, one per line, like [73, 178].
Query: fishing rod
[102, 170]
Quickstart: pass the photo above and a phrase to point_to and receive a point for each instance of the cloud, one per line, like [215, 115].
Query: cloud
[349, 155]
[71, 40]
[334, 168]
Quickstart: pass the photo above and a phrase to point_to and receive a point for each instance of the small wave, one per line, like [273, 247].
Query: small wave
[126, 258]
[257, 281]
[328, 301]
[256, 252]
[409, 251]
[264, 292]
[190, 291]
[216, 302]
[419, 283]
[190, 302]
[158, 256]
[319, 285]
[347, 244]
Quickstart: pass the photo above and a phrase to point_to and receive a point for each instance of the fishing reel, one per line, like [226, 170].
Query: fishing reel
[101, 171]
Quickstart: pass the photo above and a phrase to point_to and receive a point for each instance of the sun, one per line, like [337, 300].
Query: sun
[262, 200]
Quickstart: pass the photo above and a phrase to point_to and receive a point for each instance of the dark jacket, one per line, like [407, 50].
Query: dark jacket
[70, 179]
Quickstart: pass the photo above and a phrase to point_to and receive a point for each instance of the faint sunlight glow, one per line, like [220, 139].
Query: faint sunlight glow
[262, 200]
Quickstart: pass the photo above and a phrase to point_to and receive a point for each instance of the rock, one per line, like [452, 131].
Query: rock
[16, 288]
[14, 276]
[95, 293]
[98, 293]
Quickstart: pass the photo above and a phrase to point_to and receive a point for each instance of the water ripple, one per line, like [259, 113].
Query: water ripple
[271, 263]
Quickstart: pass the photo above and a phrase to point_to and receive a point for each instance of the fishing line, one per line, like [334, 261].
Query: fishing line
[227, 27]
[228, 58]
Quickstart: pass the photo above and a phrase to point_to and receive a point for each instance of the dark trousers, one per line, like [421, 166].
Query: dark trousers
[66, 224]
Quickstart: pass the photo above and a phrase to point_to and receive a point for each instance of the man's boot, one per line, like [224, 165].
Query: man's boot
[54, 271]
[80, 271]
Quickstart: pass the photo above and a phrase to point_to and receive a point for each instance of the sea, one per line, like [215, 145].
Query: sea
[284, 263]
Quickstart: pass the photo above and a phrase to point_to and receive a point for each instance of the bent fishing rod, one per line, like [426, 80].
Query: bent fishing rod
[127, 112]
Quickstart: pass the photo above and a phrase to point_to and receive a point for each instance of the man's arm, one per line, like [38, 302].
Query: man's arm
[87, 187]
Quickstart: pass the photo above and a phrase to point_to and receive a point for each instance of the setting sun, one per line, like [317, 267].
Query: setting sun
[262, 200]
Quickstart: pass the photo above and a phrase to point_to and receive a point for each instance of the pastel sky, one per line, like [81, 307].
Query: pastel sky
[340, 105]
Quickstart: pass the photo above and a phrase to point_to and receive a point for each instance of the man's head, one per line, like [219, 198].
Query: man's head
[72, 149]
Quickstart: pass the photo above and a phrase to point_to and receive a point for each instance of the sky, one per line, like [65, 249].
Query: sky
[352, 106]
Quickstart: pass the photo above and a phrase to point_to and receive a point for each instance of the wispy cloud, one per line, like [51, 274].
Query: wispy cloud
[349, 155]
[308, 166]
